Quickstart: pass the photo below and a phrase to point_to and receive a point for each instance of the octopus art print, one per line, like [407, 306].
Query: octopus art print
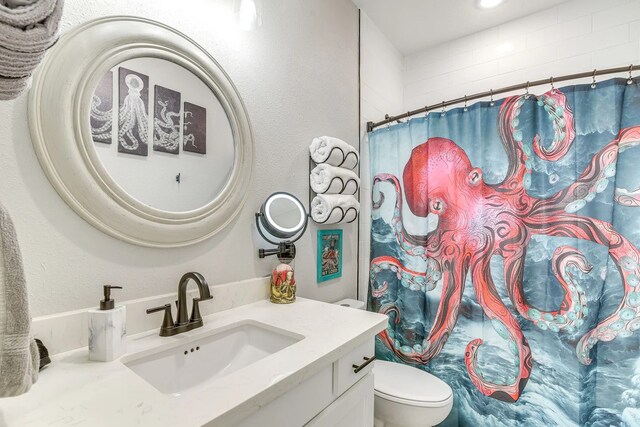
[101, 114]
[166, 121]
[133, 116]
[477, 221]
[195, 129]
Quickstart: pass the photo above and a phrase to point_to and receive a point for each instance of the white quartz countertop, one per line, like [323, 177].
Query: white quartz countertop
[73, 391]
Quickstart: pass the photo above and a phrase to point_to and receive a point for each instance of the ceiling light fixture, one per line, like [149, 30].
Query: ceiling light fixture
[488, 4]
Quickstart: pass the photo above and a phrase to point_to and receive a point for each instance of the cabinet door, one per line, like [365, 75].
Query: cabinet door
[353, 409]
[295, 407]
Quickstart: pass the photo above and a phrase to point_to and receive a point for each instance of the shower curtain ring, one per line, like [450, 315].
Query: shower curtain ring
[630, 79]
[527, 94]
[399, 120]
[553, 88]
[491, 101]
[593, 79]
[444, 111]
[465, 104]
[426, 111]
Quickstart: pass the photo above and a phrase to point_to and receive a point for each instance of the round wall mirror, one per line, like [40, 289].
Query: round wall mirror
[141, 132]
[281, 221]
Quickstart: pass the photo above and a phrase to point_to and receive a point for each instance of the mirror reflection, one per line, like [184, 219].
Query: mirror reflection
[285, 214]
[161, 134]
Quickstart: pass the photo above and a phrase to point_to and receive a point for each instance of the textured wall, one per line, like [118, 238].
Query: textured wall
[576, 36]
[298, 76]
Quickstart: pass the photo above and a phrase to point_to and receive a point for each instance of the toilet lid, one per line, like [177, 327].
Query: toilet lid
[403, 383]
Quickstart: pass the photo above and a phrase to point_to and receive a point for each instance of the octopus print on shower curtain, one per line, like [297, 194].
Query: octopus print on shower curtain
[476, 221]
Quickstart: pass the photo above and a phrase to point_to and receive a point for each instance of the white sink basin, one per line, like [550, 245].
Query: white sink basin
[194, 363]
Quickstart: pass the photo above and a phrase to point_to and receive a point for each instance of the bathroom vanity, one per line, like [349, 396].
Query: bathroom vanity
[260, 364]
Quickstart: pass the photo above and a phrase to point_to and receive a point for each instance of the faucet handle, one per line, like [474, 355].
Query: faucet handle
[160, 308]
[195, 311]
[167, 321]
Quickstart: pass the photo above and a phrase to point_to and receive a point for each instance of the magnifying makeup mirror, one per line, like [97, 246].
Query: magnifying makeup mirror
[282, 220]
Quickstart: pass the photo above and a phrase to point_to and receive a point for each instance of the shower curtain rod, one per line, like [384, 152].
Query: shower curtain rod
[551, 80]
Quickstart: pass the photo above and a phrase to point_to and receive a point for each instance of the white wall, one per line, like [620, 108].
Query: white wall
[576, 36]
[381, 93]
[298, 76]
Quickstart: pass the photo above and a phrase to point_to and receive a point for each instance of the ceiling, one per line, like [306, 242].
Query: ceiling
[413, 25]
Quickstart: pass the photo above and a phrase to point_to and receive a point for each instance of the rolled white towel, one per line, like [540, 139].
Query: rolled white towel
[334, 151]
[327, 179]
[331, 208]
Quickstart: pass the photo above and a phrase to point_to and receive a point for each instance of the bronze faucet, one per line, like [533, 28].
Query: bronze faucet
[184, 322]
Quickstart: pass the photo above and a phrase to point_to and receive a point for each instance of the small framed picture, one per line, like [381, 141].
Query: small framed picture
[329, 254]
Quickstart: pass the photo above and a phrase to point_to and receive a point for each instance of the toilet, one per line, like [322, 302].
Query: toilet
[409, 397]
[406, 396]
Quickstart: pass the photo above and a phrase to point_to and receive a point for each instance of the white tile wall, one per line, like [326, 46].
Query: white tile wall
[381, 92]
[576, 36]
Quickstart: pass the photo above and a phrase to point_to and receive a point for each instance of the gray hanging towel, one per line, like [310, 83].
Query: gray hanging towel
[25, 13]
[18, 3]
[11, 88]
[19, 355]
[18, 64]
[32, 38]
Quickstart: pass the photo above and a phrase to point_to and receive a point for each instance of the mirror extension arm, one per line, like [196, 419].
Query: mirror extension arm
[284, 251]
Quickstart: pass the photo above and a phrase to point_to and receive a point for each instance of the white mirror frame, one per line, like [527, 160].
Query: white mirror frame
[59, 105]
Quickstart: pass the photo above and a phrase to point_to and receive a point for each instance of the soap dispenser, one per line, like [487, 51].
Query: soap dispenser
[107, 329]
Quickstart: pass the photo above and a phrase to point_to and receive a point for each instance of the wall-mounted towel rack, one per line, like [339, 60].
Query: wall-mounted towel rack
[312, 193]
[343, 183]
[344, 157]
[344, 214]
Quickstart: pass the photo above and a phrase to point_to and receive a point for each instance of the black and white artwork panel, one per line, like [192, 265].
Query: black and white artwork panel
[133, 132]
[166, 120]
[195, 129]
[101, 115]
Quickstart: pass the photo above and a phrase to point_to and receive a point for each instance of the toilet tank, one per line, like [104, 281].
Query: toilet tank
[353, 303]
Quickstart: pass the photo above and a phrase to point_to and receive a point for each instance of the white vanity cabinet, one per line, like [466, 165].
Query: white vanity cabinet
[353, 409]
[335, 396]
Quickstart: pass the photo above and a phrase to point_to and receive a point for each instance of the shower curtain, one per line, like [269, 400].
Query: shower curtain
[505, 251]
